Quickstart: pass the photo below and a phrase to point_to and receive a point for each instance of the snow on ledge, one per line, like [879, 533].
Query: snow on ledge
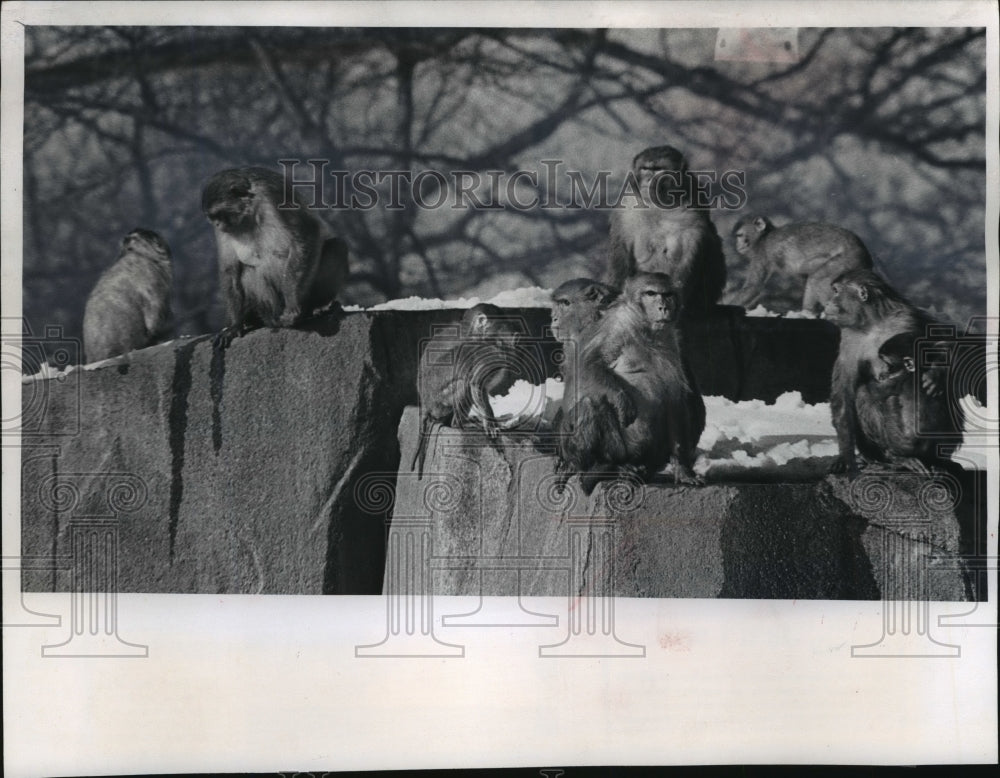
[525, 297]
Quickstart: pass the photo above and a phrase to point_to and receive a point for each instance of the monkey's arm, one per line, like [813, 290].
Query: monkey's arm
[934, 378]
[230, 280]
[844, 421]
[601, 379]
[481, 402]
[231, 284]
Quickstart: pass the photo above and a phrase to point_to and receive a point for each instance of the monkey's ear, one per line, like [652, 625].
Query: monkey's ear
[598, 294]
[863, 293]
[760, 224]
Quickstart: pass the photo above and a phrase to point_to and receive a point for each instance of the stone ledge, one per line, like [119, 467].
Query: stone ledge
[495, 527]
[272, 467]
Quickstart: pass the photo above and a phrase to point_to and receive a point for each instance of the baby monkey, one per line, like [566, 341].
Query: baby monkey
[904, 419]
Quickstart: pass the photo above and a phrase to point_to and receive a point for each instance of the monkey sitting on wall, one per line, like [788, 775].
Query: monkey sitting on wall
[129, 307]
[872, 403]
[278, 263]
[637, 406]
[459, 374]
[904, 421]
[666, 233]
[815, 251]
[576, 306]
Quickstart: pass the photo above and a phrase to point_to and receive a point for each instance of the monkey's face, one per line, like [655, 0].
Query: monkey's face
[745, 236]
[228, 201]
[659, 170]
[845, 307]
[577, 304]
[571, 315]
[659, 305]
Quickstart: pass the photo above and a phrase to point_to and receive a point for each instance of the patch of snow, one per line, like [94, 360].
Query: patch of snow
[525, 297]
[749, 435]
[761, 311]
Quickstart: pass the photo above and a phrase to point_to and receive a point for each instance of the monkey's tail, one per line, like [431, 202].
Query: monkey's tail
[420, 455]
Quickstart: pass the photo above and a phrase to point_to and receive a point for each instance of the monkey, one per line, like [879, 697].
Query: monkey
[277, 263]
[904, 421]
[576, 305]
[459, 374]
[129, 307]
[868, 414]
[667, 232]
[816, 251]
[637, 405]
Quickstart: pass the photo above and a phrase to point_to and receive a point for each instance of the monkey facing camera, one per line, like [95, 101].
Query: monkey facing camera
[668, 231]
[278, 263]
[635, 406]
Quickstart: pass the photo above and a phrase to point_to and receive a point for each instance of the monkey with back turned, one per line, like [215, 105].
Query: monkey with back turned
[457, 375]
[637, 406]
[879, 411]
[278, 263]
[667, 233]
[129, 307]
[816, 251]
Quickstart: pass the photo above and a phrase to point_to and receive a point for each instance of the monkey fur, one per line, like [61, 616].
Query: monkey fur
[459, 374]
[873, 400]
[277, 265]
[129, 307]
[637, 406]
[816, 251]
[903, 421]
[666, 233]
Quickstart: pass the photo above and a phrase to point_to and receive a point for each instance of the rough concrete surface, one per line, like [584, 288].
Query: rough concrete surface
[274, 467]
[497, 527]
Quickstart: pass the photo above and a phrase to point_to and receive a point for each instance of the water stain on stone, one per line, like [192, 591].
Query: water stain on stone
[122, 369]
[179, 388]
[217, 377]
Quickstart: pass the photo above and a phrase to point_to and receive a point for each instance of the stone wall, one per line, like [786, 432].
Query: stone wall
[273, 467]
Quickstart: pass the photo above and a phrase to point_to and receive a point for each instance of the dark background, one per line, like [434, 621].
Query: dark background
[880, 130]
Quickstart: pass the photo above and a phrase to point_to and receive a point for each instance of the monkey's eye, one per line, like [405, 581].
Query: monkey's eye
[562, 303]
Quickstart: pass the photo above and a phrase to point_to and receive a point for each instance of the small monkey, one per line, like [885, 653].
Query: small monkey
[903, 421]
[815, 251]
[667, 233]
[637, 404]
[277, 265]
[458, 374]
[129, 307]
[878, 328]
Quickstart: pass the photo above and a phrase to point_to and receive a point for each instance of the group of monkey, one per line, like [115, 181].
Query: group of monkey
[631, 404]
